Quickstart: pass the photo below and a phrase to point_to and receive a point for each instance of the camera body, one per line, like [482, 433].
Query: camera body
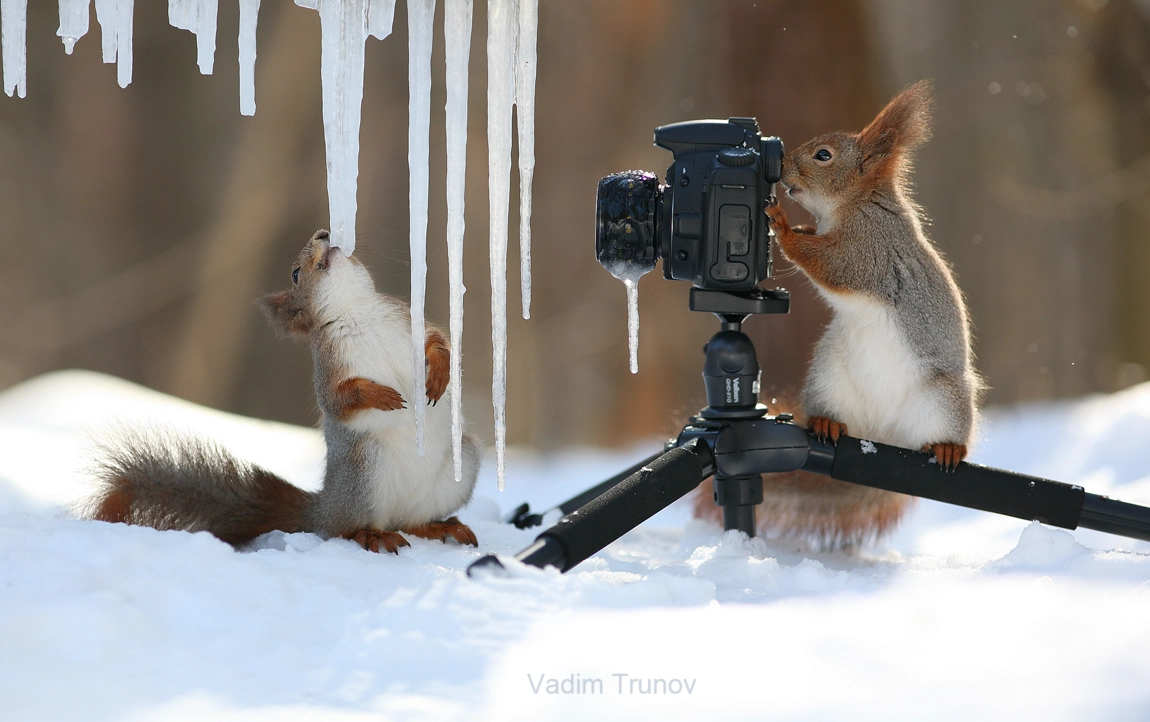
[707, 222]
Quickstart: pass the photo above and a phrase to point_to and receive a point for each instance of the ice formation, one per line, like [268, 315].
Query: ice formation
[344, 27]
[13, 23]
[502, 19]
[73, 22]
[420, 24]
[249, 12]
[525, 115]
[115, 18]
[198, 16]
[630, 274]
[457, 42]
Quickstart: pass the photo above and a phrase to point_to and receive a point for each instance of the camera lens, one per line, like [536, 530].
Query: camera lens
[626, 211]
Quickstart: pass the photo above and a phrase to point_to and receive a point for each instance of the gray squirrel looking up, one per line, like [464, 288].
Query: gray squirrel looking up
[376, 486]
[895, 363]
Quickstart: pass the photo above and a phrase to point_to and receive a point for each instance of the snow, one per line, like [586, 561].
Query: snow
[13, 37]
[962, 615]
[502, 21]
[115, 18]
[73, 22]
[249, 15]
[420, 21]
[457, 41]
[199, 17]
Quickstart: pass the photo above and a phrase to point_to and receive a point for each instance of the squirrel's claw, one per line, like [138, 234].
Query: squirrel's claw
[824, 429]
[947, 456]
[373, 540]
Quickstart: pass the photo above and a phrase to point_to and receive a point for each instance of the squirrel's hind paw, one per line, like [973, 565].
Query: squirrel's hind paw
[824, 428]
[376, 540]
[947, 456]
[450, 527]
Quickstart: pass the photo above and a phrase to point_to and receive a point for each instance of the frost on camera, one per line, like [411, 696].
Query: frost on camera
[868, 447]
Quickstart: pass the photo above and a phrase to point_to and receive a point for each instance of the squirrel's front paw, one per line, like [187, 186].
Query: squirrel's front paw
[823, 428]
[777, 217]
[947, 456]
[375, 540]
[357, 394]
[438, 355]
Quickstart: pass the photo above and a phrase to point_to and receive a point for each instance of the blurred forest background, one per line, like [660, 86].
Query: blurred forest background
[140, 224]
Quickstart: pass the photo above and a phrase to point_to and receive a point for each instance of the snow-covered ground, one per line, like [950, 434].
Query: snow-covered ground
[961, 615]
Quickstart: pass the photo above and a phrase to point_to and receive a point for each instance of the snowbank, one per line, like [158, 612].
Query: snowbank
[960, 615]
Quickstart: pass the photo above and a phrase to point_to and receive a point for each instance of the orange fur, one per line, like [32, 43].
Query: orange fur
[450, 527]
[438, 353]
[357, 394]
[374, 540]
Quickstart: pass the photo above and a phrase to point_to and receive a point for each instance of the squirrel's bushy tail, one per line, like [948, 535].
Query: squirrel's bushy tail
[168, 480]
[828, 514]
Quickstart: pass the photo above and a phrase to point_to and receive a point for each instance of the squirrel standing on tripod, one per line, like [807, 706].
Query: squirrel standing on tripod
[895, 363]
[375, 484]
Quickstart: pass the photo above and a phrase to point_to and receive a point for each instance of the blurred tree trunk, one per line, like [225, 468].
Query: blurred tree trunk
[1015, 180]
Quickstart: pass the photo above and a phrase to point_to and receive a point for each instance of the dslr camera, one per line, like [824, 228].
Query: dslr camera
[706, 222]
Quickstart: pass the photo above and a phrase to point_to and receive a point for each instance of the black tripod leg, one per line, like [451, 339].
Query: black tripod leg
[738, 495]
[618, 510]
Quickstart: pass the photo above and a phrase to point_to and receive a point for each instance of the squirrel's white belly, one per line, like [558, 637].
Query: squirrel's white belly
[865, 375]
[408, 488]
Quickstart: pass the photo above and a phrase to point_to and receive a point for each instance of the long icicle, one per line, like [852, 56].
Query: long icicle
[502, 20]
[457, 42]
[420, 26]
[73, 22]
[115, 18]
[249, 16]
[14, 26]
[525, 115]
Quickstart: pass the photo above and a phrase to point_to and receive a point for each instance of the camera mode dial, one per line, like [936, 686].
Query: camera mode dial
[736, 156]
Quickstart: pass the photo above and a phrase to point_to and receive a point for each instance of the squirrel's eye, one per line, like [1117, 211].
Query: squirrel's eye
[295, 276]
[824, 155]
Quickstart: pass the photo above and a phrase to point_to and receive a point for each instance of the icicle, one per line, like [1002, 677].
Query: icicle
[344, 27]
[199, 17]
[13, 24]
[115, 18]
[420, 26]
[501, 22]
[73, 22]
[629, 274]
[380, 14]
[525, 113]
[457, 37]
[249, 13]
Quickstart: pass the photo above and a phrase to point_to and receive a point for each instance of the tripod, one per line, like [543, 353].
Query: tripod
[736, 441]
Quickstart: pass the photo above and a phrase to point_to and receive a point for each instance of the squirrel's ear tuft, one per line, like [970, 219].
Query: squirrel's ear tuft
[902, 126]
[286, 315]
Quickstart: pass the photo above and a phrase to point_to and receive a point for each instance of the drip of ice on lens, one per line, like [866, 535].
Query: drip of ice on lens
[73, 22]
[344, 27]
[13, 24]
[457, 37]
[115, 18]
[420, 24]
[630, 274]
[198, 17]
[249, 13]
[525, 115]
[502, 20]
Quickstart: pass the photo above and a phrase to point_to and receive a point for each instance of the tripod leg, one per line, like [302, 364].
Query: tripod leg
[618, 510]
[738, 495]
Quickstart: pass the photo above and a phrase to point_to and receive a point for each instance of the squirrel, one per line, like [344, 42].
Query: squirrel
[375, 484]
[895, 363]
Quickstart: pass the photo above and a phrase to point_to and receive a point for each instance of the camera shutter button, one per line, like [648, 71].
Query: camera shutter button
[736, 156]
